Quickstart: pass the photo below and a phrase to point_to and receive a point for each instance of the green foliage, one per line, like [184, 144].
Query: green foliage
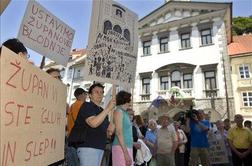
[242, 25]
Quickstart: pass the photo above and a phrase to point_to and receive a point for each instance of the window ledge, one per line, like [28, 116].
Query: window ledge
[163, 52]
[181, 49]
[206, 45]
[146, 55]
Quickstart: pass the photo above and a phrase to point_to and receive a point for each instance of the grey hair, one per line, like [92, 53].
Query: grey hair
[152, 120]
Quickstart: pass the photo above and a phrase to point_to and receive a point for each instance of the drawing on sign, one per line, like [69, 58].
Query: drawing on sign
[112, 44]
[43, 32]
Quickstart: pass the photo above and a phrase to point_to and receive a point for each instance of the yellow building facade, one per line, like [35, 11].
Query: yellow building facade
[240, 52]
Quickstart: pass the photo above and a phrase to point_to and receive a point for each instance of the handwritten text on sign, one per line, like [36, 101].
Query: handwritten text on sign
[217, 151]
[43, 32]
[32, 114]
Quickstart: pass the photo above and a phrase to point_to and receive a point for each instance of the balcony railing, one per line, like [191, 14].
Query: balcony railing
[145, 97]
[185, 93]
[211, 93]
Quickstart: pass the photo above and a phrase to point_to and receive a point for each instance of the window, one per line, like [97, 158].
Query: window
[107, 26]
[62, 73]
[69, 73]
[187, 81]
[185, 40]
[118, 29]
[146, 85]
[244, 71]
[126, 34]
[206, 37]
[164, 83]
[77, 73]
[175, 79]
[210, 84]
[247, 99]
[163, 44]
[146, 47]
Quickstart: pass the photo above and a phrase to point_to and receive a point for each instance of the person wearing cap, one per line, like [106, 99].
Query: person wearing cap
[166, 143]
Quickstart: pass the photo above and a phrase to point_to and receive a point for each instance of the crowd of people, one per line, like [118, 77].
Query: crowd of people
[113, 135]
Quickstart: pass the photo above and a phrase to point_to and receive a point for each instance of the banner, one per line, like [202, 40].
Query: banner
[41, 31]
[112, 45]
[33, 110]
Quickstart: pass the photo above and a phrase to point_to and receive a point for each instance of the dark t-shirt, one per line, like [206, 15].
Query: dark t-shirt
[96, 137]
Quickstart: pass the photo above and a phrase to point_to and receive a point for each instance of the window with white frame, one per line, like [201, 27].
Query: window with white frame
[210, 84]
[244, 71]
[163, 44]
[206, 37]
[164, 83]
[146, 47]
[176, 79]
[187, 79]
[247, 99]
[185, 40]
[146, 85]
[69, 73]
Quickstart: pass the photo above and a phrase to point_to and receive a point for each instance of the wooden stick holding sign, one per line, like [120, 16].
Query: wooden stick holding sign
[111, 128]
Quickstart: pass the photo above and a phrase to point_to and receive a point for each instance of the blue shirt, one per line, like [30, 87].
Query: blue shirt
[126, 129]
[199, 136]
[152, 137]
[96, 137]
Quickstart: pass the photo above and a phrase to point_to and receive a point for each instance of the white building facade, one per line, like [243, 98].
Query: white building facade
[183, 61]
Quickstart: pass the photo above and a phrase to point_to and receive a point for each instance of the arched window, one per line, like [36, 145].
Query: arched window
[126, 34]
[176, 79]
[107, 26]
[118, 29]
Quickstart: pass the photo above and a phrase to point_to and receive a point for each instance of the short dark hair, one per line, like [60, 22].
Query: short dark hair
[78, 92]
[52, 70]
[247, 122]
[93, 86]
[14, 45]
[123, 97]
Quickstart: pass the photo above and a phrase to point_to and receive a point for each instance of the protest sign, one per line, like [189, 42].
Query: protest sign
[112, 45]
[41, 31]
[217, 151]
[33, 108]
[3, 5]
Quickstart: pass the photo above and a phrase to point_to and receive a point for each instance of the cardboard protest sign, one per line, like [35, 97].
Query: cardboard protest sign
[33, 108]
[217, 151]
[112, 44]
[41, 31]
[3, 5]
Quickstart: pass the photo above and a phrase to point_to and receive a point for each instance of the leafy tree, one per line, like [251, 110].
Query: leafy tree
[242, 25]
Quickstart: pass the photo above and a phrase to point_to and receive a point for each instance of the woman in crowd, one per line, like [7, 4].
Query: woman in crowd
[95, 120]
[122, 153]
[182, 140]
[151, 140]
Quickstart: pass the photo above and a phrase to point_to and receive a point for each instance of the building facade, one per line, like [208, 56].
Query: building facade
[183, 60]
[240, 52]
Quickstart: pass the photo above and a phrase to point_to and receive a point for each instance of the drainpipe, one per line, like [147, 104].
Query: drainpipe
[226, 93]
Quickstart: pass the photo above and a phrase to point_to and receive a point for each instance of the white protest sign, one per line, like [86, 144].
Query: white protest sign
[112, 45]
[33, 108]
[217, 151]
[41, 31]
